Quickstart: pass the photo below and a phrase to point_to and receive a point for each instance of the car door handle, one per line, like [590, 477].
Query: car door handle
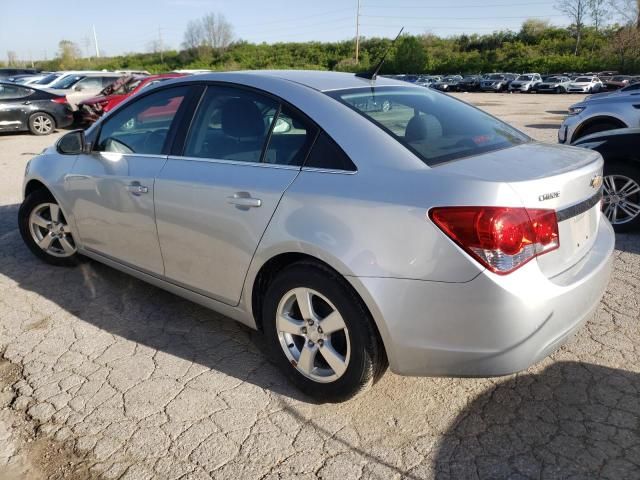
[135, 188]
[244, 200]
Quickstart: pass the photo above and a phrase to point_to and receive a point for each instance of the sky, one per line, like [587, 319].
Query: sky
[34, 28]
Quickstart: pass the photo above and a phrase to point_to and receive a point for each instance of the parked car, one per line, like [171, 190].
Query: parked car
[497, 82]
[80, 86]
[24, 79]
[447, 84]
[433, 235]
[48, 80]
[470, 83]
[24, 108]
[91, 109]
[585, 85]
[621, 184]
[525, 83]
[600, 114]
[558, 84]
[12, 72]
[617, 82]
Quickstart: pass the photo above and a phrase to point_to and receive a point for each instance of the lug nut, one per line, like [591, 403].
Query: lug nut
[320, 342]
[309, 322]
[310, 343]
[320, 330]
[303, 330]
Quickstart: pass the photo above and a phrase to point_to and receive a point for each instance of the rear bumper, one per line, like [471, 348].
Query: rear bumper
[492, 325]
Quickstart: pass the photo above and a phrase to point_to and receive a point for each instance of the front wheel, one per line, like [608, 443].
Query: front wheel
[45, 230]
[320, 334]
[621, 200]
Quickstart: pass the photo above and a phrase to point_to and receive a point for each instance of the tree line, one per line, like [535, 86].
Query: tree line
[590, 43]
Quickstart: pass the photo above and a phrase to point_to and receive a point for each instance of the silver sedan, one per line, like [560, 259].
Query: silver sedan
[430, 236]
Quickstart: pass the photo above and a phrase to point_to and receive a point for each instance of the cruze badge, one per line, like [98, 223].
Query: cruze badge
[548, 196]
[596, 182]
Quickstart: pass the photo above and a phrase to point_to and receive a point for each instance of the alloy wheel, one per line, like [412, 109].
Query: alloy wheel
[42, 124]
[49, 230]
[313, 335]
[621, 202]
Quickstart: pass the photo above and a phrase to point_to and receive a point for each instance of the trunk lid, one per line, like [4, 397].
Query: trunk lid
[565, 179]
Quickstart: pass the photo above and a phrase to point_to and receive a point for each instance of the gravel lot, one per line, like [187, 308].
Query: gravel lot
[102, 375]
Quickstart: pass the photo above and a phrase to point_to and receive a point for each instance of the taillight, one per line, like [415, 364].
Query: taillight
[500, 238]
[59, 100]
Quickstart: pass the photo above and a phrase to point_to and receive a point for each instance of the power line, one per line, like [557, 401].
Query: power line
[477, 5]
[460, 18]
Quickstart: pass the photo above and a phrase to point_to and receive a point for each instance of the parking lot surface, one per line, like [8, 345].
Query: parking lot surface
[102, 375]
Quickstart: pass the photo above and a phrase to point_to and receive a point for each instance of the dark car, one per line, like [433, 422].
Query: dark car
[470, 83]
[619, 81]
[448, 83]
[12, 72]
[25, 108]
[621, 181]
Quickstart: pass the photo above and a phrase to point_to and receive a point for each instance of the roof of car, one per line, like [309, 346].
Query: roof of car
[318, 80]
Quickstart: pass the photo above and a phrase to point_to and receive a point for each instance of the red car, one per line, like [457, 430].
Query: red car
[93, 108]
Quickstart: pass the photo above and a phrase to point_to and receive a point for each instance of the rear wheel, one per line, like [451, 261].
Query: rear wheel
[621, 202]
[41, 123]
[320, 334]
[45, 230]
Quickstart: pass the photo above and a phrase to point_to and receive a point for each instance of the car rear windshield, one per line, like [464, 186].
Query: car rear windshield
[525, 78]
[435, 126]
[496, 77]
[582, 79]
[67, 82]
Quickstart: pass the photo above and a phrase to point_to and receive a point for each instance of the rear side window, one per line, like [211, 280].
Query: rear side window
[326, 154]
[10, 92]
[245, 126]
[436, 127]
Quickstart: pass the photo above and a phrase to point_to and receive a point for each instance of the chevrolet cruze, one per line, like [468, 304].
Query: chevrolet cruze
[430, 237]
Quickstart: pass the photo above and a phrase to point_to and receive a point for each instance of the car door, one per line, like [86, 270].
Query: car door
[14, 101]
[214, 200]
[112, 187]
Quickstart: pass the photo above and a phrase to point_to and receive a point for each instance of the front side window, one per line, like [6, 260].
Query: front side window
[142, 126]
[89, 83]
[8, 92]
[436, 127]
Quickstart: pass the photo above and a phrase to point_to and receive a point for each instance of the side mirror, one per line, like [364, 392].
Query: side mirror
[281, 126]
[73, 143]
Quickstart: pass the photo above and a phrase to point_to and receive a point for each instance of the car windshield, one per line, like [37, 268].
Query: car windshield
[67, 82]
[619, 79]
[48, 79]
[554, 79]
[449, 79]
[582, 79]
[496, 77]
[472, 77]
[436, 127]
[525, 78]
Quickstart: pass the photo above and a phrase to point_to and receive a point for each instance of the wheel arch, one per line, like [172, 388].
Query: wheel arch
[33, 185]
[595, 120]
[268, 271]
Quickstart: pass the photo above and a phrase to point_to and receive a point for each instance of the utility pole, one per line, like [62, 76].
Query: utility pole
[95, 42]
[358, 31]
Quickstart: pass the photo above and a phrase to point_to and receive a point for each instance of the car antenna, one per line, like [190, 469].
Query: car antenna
[374, 74]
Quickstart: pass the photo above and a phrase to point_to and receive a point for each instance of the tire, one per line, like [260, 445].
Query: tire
[38, 226]
[622, 174]
[596, 128]
[361, 360]
[41, 123]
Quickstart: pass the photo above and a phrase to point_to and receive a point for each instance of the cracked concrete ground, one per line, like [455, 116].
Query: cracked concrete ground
[103, 376]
